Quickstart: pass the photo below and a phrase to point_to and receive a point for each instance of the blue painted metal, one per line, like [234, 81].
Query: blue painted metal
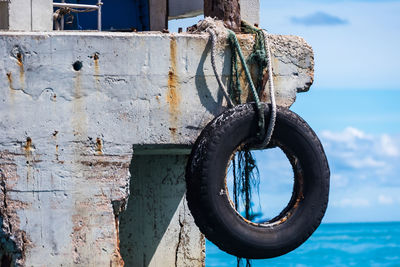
[116, 15]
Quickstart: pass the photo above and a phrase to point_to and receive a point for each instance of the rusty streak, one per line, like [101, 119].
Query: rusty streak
[96, 70]
[9, 78]
[173, 94]
[19, 58]
[99, 146]
[21, 70]
[28, 145]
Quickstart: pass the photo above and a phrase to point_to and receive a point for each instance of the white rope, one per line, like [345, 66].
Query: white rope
[272, 120]
[213, 38]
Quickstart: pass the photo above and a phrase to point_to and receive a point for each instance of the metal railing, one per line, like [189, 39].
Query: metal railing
[80, 8]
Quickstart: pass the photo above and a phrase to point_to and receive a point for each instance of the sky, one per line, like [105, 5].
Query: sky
[353, 105]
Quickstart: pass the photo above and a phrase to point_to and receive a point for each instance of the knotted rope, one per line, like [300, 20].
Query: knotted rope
[262, 57]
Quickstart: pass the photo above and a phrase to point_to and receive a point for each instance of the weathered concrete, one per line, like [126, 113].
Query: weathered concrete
[250, 11]
[26, 15]
[67, 138]
[157, 227]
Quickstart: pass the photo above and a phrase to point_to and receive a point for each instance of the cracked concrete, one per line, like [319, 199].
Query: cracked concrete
[71, 130]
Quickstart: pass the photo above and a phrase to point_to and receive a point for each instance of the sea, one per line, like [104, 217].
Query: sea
[339, 244]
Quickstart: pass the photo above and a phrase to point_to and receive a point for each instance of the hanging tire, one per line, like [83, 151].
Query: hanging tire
[208, 196]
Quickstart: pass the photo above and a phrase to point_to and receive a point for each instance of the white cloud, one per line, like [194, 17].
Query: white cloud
[385, 200]
[350, 134]
[351, 202]
[388, 146]
[353, 43]
[349, 139]
[365, 162]
[319, 19]
[362, 154]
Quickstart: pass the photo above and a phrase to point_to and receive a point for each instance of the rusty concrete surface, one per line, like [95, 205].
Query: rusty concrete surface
[74, 106]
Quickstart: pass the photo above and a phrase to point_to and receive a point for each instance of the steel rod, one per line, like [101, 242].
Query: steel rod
[76, 5]
[99, 4]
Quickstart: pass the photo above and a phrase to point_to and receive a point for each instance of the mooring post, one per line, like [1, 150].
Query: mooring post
[226, 10]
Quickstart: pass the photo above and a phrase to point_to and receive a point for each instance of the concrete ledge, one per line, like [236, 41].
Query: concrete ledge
[132, 88]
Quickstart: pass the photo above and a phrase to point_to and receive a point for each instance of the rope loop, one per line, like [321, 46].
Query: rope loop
[261, 56]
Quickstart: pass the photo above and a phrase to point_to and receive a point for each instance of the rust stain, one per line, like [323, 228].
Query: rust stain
[99, 146]
[118, 206]
[19, 58]
[96, 70]
[172, 130]
[21, 70]
[29, 146]
[173, 94]
[10, 80]
[55, 133]
[96, 57]
[117, 257]
[79, 116]
[10, 85]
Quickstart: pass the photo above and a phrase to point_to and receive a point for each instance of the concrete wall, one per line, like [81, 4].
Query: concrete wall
[157, 228]
[26, 15]
[75, 108]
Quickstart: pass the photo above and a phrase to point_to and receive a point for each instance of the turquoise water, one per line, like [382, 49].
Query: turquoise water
[350, 244]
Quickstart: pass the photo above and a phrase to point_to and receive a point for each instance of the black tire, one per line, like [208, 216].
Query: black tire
[207, 195]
